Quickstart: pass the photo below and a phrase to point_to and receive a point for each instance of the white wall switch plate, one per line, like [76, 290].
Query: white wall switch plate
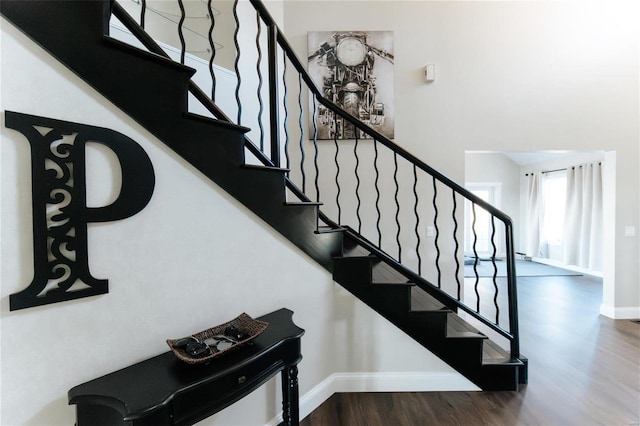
[430, 73]
[431, 231]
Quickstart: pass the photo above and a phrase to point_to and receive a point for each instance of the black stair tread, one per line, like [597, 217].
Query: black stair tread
[302, 203]
[215, 122]
[355, 251]
[383, 273]
[452, 334]
[421, 301]
[391, 285]
[162, 60]
[328, 229]
[492, 353]
[266, 168]
[456, 326]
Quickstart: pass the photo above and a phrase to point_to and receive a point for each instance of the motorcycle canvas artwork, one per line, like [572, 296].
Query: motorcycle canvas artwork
[353, 69]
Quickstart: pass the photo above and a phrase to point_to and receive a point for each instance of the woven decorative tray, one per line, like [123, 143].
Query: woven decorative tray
[232, 335]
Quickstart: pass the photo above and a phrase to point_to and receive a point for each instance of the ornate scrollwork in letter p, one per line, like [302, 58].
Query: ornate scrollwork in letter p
[60, 212]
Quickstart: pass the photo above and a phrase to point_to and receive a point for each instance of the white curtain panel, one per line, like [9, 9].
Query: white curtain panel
[583, 217]
[534, 217]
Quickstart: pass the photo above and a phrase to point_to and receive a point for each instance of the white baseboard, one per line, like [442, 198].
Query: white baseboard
[401, 382]
[574, 268]
[609, 311]
[379, 382]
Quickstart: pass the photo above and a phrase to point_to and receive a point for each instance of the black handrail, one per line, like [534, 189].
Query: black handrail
[512, 334]
[275, 38]
[291, 55]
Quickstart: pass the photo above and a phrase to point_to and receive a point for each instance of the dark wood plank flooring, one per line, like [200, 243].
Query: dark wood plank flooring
[584, 369]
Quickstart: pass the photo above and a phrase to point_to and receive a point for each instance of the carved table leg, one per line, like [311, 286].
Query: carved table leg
[290, 409]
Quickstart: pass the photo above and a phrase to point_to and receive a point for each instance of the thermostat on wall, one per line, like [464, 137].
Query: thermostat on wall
[430, 73]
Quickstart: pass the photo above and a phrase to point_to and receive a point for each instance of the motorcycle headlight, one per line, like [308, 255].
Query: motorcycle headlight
[351, 51]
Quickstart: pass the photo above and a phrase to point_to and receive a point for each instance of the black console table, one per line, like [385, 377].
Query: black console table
[165, 391]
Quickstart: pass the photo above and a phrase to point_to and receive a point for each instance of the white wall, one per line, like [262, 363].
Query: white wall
[177, 267]
[511, 76]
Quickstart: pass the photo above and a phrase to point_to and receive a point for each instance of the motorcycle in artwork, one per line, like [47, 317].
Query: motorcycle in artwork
[353, 69]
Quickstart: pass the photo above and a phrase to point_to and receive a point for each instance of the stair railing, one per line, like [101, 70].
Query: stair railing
[386, 212]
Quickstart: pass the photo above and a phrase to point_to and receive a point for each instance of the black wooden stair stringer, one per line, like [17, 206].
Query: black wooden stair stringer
[153, 91]
[426, 320]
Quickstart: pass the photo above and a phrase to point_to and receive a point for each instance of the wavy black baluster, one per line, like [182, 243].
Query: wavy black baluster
[286, 115]
[273, 93]
[183, 45]
[213, 51]
[495, 269]
[143, 12]
[375, 167]
[300, 124]
[259, 72]
[335, 142]
[355, 153]
[457, 245]
[415, 212]
[437, 235]
[395, 179]
[315, 147]
[237, 61]
[476, 258]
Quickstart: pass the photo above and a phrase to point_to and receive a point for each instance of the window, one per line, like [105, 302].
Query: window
[554, 194]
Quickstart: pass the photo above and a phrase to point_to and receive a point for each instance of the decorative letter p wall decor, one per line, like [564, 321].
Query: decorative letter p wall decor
[60, 212]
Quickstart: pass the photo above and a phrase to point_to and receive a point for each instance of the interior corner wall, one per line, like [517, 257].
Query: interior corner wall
[510, 76]
[191, 259]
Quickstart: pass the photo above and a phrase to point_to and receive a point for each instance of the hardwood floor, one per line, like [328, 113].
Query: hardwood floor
[584, 369]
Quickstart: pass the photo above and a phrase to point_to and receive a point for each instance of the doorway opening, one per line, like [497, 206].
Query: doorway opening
[510, 169]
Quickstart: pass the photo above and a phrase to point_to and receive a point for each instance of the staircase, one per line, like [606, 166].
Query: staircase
[153, 90]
